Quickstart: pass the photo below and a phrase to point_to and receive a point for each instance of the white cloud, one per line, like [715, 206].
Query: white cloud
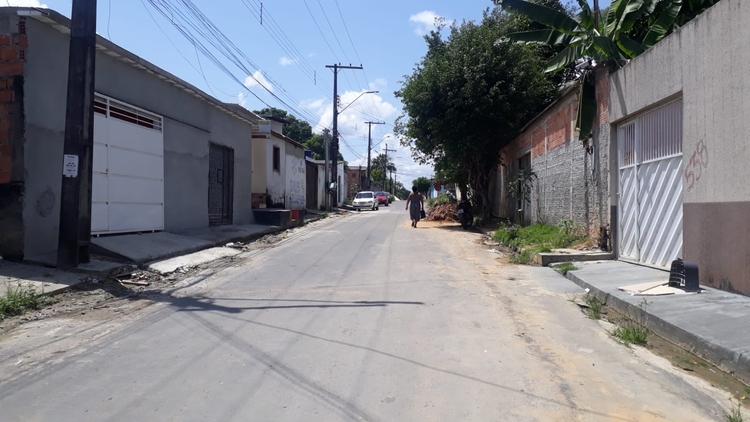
[286, 61]
[257, 79]
[378, 84]
[352, 127]
[25, 3]
[425, 21]
[311, 55]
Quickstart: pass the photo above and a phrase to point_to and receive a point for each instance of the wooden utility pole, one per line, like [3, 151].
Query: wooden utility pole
[385, 167]
[75, 195]
[327, 147]
[335, 143]
[369, 147]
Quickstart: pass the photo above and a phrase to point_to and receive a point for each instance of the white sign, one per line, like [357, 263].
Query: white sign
[70, 165]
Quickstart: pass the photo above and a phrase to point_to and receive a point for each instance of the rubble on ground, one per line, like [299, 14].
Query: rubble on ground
[443, 212]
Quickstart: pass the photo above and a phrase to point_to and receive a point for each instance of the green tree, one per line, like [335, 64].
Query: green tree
[604, 36]
[317, 144]
[299, 130]
[422, 184]
[468, 98]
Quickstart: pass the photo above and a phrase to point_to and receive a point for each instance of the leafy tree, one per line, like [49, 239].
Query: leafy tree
[317, 144]
[299, 130]
[468, 98]
[422, 184]
[604, 37]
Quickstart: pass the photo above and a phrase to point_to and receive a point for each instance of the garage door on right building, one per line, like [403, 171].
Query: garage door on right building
[650, 186]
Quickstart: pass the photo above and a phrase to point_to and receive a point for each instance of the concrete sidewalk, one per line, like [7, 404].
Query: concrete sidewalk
[149, 247]
[712, 324]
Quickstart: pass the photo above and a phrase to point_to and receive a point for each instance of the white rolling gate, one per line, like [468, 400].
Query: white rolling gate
[650, 186]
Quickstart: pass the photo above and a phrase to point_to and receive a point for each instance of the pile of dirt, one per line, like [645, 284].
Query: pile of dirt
[443, 212]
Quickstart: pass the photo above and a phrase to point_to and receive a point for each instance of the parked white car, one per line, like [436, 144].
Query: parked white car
[366, 200]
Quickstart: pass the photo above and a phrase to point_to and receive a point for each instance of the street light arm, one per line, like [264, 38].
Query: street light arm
[360, 96]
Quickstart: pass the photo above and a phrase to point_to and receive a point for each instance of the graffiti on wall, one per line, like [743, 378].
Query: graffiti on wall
[696, 165]
[295, 182]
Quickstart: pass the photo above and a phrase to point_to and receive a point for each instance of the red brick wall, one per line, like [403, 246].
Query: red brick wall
[12, 59]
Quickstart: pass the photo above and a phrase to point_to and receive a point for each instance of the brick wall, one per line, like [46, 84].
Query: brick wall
[573, 181]
[12, 57]
[13, 45]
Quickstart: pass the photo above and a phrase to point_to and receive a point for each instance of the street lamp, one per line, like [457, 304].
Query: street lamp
[360, 96]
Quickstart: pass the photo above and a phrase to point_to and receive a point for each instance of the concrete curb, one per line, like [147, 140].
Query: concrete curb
[737, 364]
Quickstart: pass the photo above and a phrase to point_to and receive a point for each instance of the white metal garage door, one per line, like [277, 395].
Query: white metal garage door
[128, 171]
[650, 191]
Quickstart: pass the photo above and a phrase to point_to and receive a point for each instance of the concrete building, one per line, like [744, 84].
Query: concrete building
[167, 156]
[356, 180]
[572, 176]
[323, 189]
[679, 116]
[278, 168]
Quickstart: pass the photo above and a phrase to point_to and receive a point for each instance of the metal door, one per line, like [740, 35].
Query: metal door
[650, 186]
[220, 185]
[128, 169]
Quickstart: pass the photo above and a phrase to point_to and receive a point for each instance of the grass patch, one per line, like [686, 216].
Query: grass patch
[324, 215]
[565, 268]
[526, 256]
[734, 414]
[19, 299]
[631, 332]
[540, 235]
[595, 306]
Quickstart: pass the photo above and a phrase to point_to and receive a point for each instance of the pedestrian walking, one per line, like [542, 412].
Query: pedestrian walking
[415, 205]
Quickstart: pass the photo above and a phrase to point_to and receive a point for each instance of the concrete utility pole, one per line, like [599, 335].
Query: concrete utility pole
[369, 147]
[75, 194]
[335, 152]
[385, 166]
[326, 136]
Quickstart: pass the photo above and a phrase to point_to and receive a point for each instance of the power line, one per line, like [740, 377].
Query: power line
[192, 17]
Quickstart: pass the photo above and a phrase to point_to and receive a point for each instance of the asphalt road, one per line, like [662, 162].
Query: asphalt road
[362, 318]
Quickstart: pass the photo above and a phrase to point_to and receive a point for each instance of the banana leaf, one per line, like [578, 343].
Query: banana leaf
[567, 56]
[541, 36]
[544, 15]
[663, 24]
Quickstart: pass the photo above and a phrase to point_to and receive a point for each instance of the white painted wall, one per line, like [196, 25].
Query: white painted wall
[296, 190]
[276, 180]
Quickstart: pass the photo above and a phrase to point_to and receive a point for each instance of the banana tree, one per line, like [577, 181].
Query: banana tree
[601, 36]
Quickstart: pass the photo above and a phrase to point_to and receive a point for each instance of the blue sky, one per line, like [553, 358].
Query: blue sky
[385, 37]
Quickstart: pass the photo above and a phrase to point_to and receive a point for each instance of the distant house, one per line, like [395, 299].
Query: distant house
[321, 184]
[356, 180]
[278, 168]
[166, 155]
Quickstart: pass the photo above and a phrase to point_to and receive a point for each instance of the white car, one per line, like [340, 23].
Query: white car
[365, 200]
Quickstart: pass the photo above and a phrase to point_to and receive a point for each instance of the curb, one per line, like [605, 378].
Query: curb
[736, 364]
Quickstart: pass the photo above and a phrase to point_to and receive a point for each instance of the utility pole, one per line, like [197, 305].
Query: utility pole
[385, 166]
[75, 195]
[326, 136]
[335, 151]
[596, 14]
[369, 147]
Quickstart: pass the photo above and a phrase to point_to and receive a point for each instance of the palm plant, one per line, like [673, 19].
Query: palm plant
[593, 35]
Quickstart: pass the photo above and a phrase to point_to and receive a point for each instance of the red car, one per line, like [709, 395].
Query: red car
[382, 198]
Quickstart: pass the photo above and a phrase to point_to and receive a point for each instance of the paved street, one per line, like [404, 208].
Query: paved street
[361, 318]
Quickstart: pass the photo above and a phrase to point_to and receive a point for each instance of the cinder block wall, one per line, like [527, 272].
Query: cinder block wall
[572, 181]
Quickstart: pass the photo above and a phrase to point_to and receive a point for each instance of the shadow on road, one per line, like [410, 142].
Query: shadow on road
[191, 304]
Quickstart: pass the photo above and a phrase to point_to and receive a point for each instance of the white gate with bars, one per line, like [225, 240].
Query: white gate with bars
[650, 188]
